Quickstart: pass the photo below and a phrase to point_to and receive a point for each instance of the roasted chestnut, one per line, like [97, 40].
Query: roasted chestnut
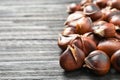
[108, 13]
[63, 40]
[115, 60]
[92, 11]
[82, 25]
[92, 30]
[73, 7]
[74, 16]
[109, 46]
[107, 30]
[114, 3]
[72, 58]
[98, 62]
[93, 36]
[85, 44]
[101, 3]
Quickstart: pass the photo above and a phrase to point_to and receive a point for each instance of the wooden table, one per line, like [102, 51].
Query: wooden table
[28, 41]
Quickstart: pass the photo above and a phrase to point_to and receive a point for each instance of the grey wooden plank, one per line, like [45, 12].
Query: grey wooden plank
[27, 2]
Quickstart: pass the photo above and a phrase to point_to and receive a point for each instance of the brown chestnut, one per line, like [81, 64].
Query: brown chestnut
[98, 62]
[93, 36]
[97, 24]
[101, 3]
[107, 30]
[108, 13]
[74, 16]
[109, 46]
[92, 11]
[82, 25]
[72, 58]
[63, 40]
[115, 60]
[114, 3]
[85, 44]
[73, 7]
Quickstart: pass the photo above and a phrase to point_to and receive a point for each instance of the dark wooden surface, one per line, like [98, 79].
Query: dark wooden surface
[28, 41]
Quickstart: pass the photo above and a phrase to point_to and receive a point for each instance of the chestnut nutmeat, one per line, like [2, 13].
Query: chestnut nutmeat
[72, 58]
[115, 60]
[98, 62]
[109, 46]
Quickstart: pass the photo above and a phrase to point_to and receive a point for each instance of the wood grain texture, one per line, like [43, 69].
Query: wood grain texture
[28, 41]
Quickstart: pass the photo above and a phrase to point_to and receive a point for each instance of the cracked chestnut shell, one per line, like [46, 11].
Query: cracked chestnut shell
[72, 58]
[85, 44]
[64, 40]
[98, 62]
[74, 16]
[93, 37]
[109, 46]
[82, 25]
[115, 60]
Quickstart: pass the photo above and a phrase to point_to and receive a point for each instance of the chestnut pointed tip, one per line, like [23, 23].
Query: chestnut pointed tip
[100, 32]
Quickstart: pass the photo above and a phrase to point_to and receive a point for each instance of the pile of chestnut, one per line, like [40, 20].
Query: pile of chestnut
[91, 37]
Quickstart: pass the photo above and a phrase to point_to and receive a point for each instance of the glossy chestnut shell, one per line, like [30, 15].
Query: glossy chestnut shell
[93, 11]
[73, 7]
[72, 58]
[85, 44]
[74, 16]
[109, 46]
[64, 41]
[115, 60]
[101, 3]
[114, 3]
[82, 25]
[108, 13]
[106, 30]
[93, 36]
[98, 62]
